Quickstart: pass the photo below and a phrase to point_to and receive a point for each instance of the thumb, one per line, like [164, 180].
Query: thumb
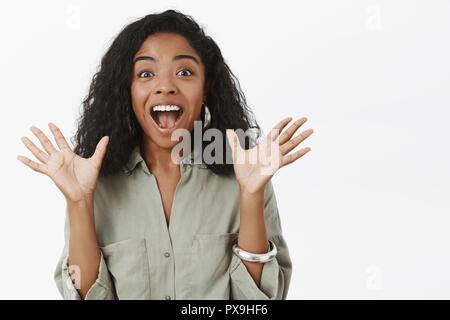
[100, 151]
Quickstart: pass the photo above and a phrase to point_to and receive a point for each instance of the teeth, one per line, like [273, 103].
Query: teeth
[166, 108]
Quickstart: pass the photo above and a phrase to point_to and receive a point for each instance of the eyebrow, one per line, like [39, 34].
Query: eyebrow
[178, 57]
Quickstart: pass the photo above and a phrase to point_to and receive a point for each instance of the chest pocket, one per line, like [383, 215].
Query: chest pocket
[210, 262]
[127, 262]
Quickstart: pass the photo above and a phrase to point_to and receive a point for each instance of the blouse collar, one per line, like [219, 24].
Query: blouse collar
[136, 158]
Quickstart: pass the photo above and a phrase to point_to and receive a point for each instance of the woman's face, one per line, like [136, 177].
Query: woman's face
[167, 72]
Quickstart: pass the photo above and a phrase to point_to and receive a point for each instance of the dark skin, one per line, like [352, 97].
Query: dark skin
[181, 81]
[77, 177]
[164, 79]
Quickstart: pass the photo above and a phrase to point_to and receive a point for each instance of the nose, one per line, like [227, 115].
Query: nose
[165, 85]
[165, 90]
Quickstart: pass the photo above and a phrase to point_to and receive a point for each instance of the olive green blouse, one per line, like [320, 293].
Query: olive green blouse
[191, 258]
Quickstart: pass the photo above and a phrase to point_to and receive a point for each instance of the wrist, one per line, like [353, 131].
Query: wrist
[81, 213]
[245, 192]
[86, 201]
[251, 198]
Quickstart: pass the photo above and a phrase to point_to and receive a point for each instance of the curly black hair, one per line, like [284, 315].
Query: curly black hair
[107, 108]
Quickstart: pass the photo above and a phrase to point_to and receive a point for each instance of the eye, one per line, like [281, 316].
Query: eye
[144, 72]
[190, 72]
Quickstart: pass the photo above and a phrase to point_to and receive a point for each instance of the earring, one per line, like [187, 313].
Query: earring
[207, 120]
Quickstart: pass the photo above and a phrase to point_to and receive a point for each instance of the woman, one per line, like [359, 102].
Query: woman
[143, 224]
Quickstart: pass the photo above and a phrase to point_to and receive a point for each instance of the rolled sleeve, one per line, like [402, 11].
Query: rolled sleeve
[101, 289]
[275, 277]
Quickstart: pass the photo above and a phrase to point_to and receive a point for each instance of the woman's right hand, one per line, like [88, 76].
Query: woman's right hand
[75, 176]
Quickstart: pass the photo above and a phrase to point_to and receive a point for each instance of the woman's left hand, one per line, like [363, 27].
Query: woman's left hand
[256, 166]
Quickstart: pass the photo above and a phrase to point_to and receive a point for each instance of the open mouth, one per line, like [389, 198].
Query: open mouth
[166, 116]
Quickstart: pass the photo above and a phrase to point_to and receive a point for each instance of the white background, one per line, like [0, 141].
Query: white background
[365, 213]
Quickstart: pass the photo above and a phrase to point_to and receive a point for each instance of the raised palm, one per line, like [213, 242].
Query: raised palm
[76, 177]
[256, 166]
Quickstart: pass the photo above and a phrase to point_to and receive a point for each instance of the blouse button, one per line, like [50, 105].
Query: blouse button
[168, 298]
[166, 254]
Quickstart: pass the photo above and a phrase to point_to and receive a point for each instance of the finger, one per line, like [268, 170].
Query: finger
[291, 130]
[48, 146]
[294, 156]
[291, 144]
[38, 153]
[59, 138]
[100, 150]
[33, 165]
[274, 133]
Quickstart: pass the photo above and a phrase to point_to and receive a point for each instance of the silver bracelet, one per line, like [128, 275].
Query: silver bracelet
[255, 257]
